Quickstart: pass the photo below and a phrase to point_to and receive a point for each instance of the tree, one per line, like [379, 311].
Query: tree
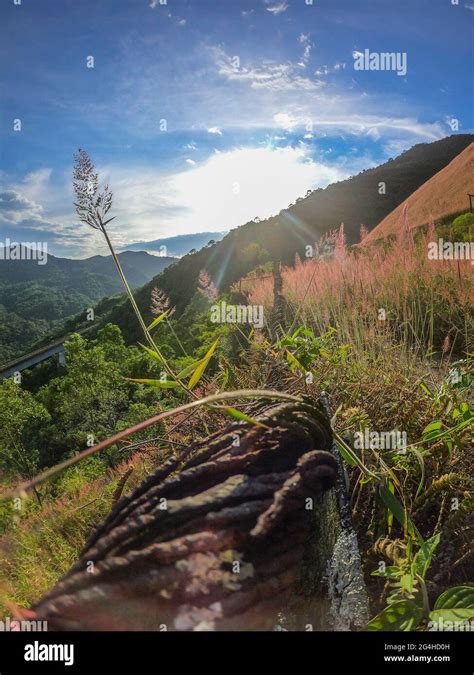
[21, 419]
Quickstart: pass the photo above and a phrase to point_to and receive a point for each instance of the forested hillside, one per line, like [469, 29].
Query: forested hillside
[37, 298]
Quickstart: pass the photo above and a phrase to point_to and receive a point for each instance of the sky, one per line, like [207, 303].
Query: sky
[204, 114]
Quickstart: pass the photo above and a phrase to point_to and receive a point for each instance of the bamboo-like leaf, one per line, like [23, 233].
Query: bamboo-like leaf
[158, 320]
[199, 372]
[292, 359]
[233, 412]
[346, 455]
[394, 505]
[151, 352]
[188, 370]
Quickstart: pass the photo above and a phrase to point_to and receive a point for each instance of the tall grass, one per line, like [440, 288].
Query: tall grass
[390, 291]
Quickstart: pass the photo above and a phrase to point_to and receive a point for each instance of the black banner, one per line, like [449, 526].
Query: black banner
[118, 652]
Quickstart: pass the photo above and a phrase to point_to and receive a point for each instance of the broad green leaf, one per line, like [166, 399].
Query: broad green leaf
[166, 384]
[158, 320]
[423, 557]
[452, 614]
[199, 372]
[403, 615]
[455, 604]
[233, 412]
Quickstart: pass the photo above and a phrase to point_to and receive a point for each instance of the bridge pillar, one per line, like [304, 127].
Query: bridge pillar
[62, 358]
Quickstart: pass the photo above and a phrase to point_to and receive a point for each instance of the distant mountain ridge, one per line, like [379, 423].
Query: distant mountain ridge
[35, 298]
[179, 245]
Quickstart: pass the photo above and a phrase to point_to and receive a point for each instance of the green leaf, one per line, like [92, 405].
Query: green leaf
[151, 352]
[423, 557]
[391, 572]
[166, 384]
[345, 454]
[188, 370]
[403, 615]
[427, 390]
[434, 426]
[391, 487]
[421, 462]
[199, 372]
[452, 614]
[393, 504]
[157, 320]
[455, 604]
[233, 412]
[293, 360]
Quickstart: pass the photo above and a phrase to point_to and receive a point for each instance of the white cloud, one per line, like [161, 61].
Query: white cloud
[285, 121]
[225, 191]
[15, 207]
[305, 40]
[277, 8]
[269, 75]
[215, 130]
[190, 161]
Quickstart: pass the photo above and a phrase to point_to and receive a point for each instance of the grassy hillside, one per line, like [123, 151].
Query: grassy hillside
[441, 197]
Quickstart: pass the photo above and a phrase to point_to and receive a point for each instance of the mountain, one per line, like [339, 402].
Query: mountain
[443, 195]
[355, 201]
[179, 245]
[34, 298]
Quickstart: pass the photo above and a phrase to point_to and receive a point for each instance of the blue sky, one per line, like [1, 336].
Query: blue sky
[261, 100]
